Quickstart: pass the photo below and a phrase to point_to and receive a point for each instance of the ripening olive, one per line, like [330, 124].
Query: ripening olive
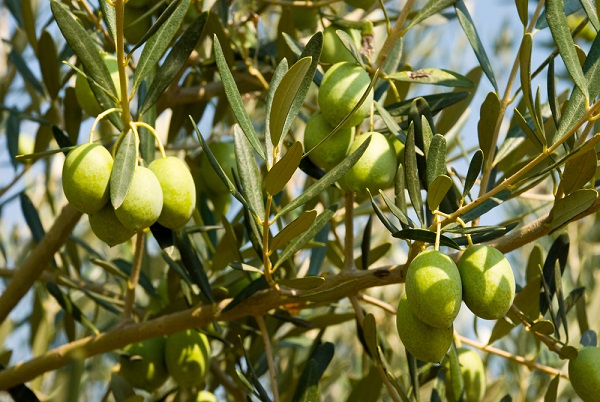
[108, 228]
[187, 354]
[143, 364]
[86, 176]
[584, 373]
[334, 50]
[473, 374]
[144, 200]
[83, 92]
[331, 151]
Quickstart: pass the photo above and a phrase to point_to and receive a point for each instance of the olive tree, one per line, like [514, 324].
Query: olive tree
[168, 234]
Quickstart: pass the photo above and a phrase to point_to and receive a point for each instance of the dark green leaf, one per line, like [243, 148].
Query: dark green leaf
[254, 286]
[293, 229]
[413, 183]
[430, 8]
[525, 70]
[369, 330]
[32, 218]
[394, 209]
[523, 8]
[436, 158]
[386, 222]
[192, 263]
[373, 256]
[308, 383]
[235, 99]
[48, 59]
[558, 253]
[437, 191]
[330, 177]
[425, 236]
[278, 74]
[530, 132]
[367, 388]
[13, 132]
[557, 21]
[473, 173]
[174, 62]
[281, 173]
[488, 115]
[485, 233]
[110, 17]
[435, 76]
[123, 168]
[468, 27]
[249, 172]
[579, 171]
[572, 205]
[486, 206]
[69, 307]
[590, 9]
[23, 68]
[437, 102]
[87, 51]
[552, 392]
[155, 47]
[307, 235]
[553, 101]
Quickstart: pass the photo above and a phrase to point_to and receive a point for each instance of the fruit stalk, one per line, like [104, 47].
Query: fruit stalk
[134, 276]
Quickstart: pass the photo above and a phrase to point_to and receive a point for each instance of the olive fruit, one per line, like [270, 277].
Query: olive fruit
[426, 343]
[136, 24]
[144, 200]
[107, 227]
[83, 92]
[433, 288]
[208, 179]
[178, 189]
[488, 281]
[584, 373]
[187, 354]
[143, 364]
[334, 50]
[375, 169]
[331, 151]
[342, 87]
[86, 176]
[473, 374]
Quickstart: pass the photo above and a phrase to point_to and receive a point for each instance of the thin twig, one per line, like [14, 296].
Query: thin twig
[269, 355]
[134, 276]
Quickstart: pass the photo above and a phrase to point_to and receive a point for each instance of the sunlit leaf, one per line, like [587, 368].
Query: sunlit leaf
[281, 173]
[123, 168]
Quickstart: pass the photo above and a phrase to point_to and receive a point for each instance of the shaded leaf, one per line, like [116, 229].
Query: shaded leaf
[552, 391]
[308, 383]
[22, 67]
[473, 172]
[249, 172]
[579, 171]
[293, 229]
[32, 218]
[525, 74]
[192, 264]
[488, 115]
[567, 208]
[413, 183]
[374, 254]
[175, 61]
[437, 191]
[425, 236]
[123, 168]
[437, 102]
[48, 59]
[394, 209]
[254, 286]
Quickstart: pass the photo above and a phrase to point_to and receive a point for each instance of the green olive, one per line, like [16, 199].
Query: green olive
[144, 200]
[341, 89]
[584, 373]
[83, 92]
[208, 179]
[333, 150]
[187, 354]
[143, 364]
[473, 374]
[334, 50]
[107, 227]
[433, 288]
[86, 176]
[178, 189]
[426, 343]
[376, 168]
[488, 281]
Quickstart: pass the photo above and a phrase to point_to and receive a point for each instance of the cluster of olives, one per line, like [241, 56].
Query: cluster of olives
[164, 192]
[435, 288]
[183, 356]
[341, 89]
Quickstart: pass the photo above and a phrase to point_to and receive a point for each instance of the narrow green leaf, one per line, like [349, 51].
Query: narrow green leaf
[155, 47]
[468, 26]
[69, 307]
[557, 21]
[278, 74]
[430, 8]
[425, 236]
[525, 74]
[436, 158]
[486, 206]
[374, 255]
[175, 61]
[455, 114]
[307, 235]
[29, 22]
[412, 174]
[552, 391]
[473, 172]
[382, 217]
[579, 171]
[281, 173]
[285, 96]
[394, 209]
[523, 10]
[307, 389]
[368, 387]
[123, 168]
[48, 59]
[434, 76]
[553, 101]
[590, 9]
[488, 115]
[87, 52]
[32, 218]
[293, 229]
[235, 99]
[437, 102]
[484, 234]
[109, 15]
[330, 177]
[437, 191]
[558, 253]
[22, 67]
[575, 107]
[370, 335]
[249, 172]
[572, 205]
[13, 132]
[455, 375]
[349, 44]
[531, 133]
[191, 261]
